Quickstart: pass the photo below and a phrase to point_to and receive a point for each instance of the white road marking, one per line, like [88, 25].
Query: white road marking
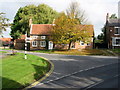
[78, 72]
[56, 73]
[100, 82]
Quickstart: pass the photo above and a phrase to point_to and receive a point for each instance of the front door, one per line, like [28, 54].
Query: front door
[50, 45]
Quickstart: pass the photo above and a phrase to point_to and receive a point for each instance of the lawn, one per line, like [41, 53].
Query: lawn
[18, 72]
[76, 52]
[3, 52]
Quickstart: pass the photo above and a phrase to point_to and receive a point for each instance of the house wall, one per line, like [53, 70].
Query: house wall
[61, 46]
[38, 39]
[19, 44]
[57, 46]
[85, 46]
[77, 46]
[110, 33]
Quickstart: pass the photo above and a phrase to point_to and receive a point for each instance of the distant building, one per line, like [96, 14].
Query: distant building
[5, 41]
[112, 32]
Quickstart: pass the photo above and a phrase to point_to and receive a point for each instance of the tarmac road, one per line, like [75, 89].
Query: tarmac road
[81, 72]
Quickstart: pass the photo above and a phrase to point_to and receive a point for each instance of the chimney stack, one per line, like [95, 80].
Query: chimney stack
[53, 23]
[30, 21]
[107, 17]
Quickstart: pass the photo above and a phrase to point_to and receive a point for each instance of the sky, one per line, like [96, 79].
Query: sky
[95, 10]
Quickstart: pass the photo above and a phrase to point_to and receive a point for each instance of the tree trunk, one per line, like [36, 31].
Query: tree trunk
[69, 45]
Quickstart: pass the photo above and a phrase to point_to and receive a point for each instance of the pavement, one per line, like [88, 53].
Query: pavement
[81, 72]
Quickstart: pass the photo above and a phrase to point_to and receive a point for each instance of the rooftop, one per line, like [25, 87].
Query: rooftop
[114, 22]
[41, 29]
[44, 29]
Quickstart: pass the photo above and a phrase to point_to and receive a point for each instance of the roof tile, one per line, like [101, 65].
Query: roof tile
[41, 29]
[44, 29]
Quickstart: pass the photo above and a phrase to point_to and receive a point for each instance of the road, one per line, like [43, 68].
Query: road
[81, 72]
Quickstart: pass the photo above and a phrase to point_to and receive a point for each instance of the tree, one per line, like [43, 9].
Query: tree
[101, 37]
[113, 16]
[74, 11]
[3, 23]
[41, 14]
[66, 30]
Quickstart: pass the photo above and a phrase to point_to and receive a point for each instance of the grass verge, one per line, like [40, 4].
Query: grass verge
[5, 49]
[117, 51]
[18, 72]
[76, 52]
[3, 52]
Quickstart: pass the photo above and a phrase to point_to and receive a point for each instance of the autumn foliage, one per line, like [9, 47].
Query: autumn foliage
[67, 30]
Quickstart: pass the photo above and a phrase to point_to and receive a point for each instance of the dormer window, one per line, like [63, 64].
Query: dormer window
[34, 37]
[81, 43]
[43, 37]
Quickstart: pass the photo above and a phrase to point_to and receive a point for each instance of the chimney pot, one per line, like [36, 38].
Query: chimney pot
[30, 21]
[107, 17]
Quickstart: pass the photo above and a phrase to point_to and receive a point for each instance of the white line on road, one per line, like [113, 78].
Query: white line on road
[100, 82]
[56, 73]
[76, 73]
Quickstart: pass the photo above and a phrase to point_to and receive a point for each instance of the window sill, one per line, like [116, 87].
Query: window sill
[34, 46]
[42, 46]
[115, 45]
[116, 34]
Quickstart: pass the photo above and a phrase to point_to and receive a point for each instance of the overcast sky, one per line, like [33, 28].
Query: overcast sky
[95, 10]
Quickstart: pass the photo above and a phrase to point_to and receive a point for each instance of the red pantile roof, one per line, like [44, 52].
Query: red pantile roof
[41, 29]
[5, 39]
[44, 29]
[88, 28]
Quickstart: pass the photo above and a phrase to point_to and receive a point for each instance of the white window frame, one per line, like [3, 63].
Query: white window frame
[41, 43]
[43, 37]
[34, 37]
[33, 44]
[114, 41]
[81, 43]
[118, 30]
[118, 43]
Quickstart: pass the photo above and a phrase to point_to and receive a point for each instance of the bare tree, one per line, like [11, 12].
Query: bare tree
[74, 11]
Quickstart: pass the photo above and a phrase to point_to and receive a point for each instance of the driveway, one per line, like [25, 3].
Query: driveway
[81, 72]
